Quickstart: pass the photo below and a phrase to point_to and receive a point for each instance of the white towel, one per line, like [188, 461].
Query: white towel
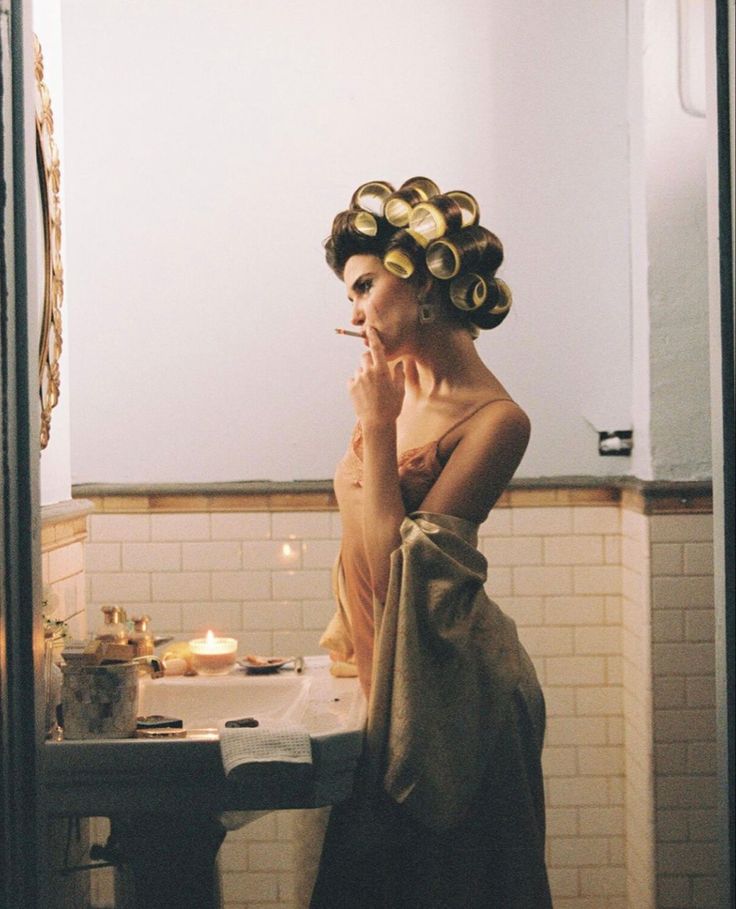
[285, 743]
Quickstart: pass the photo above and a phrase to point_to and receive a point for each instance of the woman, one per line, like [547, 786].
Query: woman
[450, 809]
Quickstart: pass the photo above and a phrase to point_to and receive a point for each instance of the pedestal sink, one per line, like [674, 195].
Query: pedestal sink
[202, 701]
[165, 796]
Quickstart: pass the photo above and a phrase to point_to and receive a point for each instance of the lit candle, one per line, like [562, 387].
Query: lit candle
[212, 655]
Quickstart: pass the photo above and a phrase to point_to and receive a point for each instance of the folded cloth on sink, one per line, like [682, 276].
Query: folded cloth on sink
[277, 743]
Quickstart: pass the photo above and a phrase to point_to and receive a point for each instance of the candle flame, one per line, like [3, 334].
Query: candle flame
[210, 637]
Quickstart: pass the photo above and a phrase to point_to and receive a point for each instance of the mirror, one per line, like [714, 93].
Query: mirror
[49, 253]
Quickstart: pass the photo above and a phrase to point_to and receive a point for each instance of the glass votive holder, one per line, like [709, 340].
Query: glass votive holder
[213, 655]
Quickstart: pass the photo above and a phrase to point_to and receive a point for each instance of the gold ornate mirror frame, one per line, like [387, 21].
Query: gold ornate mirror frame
[47, 157]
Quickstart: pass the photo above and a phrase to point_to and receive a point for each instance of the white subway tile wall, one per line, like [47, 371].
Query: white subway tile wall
[262, 578]
[615, 609]
[637, 699]
[62, 569]
[683, 661]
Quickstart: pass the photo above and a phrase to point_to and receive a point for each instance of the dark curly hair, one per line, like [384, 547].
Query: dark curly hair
[424, 235]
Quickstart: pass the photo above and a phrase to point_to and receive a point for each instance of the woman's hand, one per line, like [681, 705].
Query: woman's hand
[376, 390]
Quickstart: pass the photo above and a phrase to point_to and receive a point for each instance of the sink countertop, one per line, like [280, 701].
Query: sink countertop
[101, 777]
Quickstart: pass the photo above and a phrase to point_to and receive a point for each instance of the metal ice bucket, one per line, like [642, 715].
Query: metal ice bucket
[100, 702]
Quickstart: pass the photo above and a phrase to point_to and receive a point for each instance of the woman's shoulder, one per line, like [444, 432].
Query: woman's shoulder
[501, 423]
[479, 457]
[488, 415]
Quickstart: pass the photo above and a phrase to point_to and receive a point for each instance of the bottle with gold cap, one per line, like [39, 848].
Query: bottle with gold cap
[141, 637]
[113, 629]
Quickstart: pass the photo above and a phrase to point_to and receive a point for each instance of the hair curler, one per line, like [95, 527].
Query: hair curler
[474, 249]
[371, 197]
[498, 303]
[468, 206]
[404, 251]
[423, 185]
[363, 222]
[469, 292]
[399, 206]
[434, 219]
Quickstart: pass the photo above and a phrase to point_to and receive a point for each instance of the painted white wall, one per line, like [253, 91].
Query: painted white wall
[55, 472]
[208, 148]
[669, 245]
[677, 239]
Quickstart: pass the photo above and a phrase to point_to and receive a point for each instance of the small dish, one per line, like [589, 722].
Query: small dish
[259, 665]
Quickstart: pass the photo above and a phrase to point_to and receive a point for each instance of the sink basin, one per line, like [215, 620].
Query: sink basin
[169, 799]
[115, 776]
[202, 701]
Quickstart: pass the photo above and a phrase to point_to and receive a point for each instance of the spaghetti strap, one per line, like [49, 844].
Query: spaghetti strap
[468, 416]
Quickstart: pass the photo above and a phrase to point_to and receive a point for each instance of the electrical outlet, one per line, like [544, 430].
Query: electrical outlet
[617, 443]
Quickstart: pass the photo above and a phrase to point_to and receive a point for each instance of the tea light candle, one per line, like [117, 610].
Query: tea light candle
[212, 655]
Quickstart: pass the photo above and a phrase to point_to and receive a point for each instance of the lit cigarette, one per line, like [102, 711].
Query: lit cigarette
[353, 334]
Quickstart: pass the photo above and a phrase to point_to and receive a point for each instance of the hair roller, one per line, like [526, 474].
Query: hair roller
[474, 249]
[355, 221]
[355, 231]
[371, 197]
[468, 206]
[403, 254]
[423, 185]
[399, 206]
[496, 307]
[434, 219]
[469, 292]
[363, 222]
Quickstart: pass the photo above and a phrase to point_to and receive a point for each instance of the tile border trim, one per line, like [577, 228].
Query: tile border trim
[64, 523]
[643, 496]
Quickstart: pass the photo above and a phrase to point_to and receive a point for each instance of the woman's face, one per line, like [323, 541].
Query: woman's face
[382, 301]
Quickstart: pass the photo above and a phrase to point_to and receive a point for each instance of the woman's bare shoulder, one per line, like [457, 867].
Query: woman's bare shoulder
[479, 461]
[490, 420]
[501, 424]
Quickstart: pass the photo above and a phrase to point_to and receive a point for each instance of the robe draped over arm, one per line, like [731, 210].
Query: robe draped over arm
[447, 667]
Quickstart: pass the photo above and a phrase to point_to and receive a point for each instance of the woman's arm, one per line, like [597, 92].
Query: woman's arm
[476, 471]
[377, 395]
[383, 507]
